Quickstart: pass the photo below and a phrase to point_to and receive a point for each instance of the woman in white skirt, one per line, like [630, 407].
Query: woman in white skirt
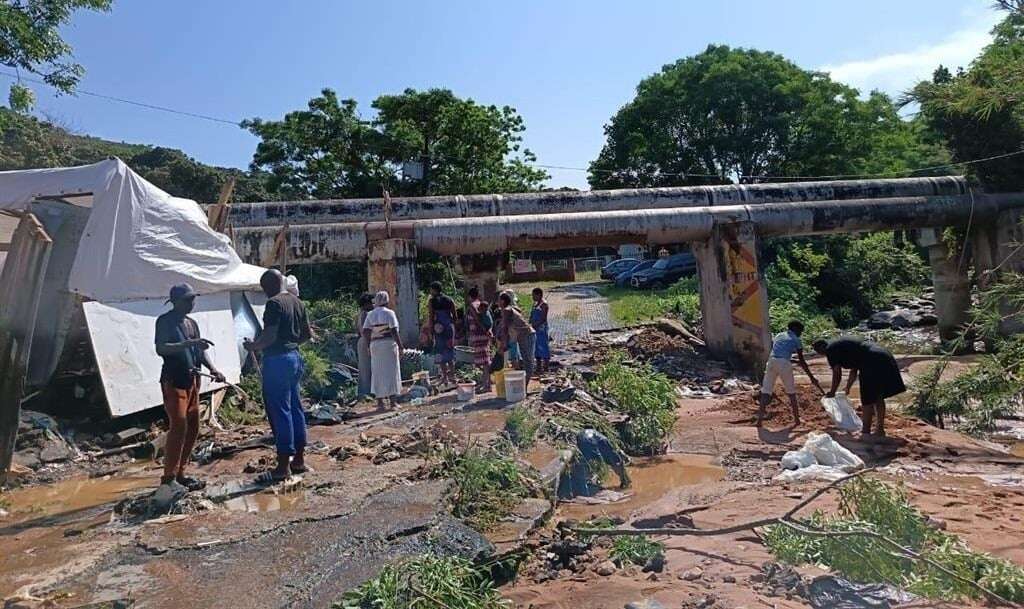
[380, 329]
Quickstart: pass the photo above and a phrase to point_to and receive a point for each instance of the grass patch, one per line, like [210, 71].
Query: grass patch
[646, 396]
[630, 307]
[488, 485]
[426, 582]
[635, 549]
[236, 410]
[522, 426]
[872, 505]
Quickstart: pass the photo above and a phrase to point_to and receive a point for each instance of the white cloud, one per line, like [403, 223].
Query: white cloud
[898, 72]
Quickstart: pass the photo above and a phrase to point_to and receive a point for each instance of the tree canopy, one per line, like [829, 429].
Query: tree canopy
[327, 150]
[736, 114]
[980, 111]
[30, 40]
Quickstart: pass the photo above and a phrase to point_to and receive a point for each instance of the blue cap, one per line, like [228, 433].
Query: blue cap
[180, 292]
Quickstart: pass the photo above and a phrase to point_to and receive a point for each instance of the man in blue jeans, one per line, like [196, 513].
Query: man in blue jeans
[285, 327]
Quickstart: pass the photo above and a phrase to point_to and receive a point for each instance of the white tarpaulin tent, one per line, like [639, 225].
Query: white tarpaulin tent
[120, 243]
[138, 240]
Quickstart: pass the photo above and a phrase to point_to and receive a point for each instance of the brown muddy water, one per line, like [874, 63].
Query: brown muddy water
[265, 502]
[653, 478]
[73, 495]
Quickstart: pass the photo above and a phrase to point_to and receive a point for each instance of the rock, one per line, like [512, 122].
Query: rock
[692, 574]
[936, 523]
[605, 568]
[729, 579]
[647, 603]
[928, 319]
[54, 450]
[166, 495]
[655, 564]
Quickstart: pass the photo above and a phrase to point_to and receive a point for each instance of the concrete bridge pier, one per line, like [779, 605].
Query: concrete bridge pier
[952, 284]
[391, 267]
[483, 271]
[733, 296]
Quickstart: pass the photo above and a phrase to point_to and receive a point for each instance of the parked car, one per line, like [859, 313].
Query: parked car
[623, 278]
[613, 268]
[665, 271]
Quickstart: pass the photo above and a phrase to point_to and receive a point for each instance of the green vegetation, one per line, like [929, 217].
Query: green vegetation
[31, 42]
[236, 410]
[992, 387]
[680, 300]
[426, 582]
[635, 549]
[802, 124]
[522, 426]
[980, 111]
[488, 485]
[871, 505]
[328, 150]
[646, 396]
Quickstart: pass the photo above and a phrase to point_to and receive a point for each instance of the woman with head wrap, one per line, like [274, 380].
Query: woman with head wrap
[380, 329]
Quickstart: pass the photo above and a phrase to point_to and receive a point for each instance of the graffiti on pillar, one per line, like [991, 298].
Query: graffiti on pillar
[746, 293]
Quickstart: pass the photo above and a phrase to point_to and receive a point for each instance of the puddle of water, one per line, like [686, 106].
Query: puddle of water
[264, 502]
[653, 478]
[73, 494]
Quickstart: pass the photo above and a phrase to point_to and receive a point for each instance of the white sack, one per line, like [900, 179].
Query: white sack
[138, 240]
[842, 413]
[820, 458]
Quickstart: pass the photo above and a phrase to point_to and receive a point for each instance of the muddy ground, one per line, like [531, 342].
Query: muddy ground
[367, 503]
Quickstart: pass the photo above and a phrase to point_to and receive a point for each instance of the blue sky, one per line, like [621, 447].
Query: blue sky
[567, 66]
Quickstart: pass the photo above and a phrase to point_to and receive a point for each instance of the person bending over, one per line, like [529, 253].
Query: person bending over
[879, 374]
[780, 366]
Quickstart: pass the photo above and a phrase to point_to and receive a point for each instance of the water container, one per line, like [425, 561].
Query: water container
[515, 385]
[498, 382]
[464, 391]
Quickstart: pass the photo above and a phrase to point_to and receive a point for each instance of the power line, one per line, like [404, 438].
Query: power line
[130, 102]
[237, 123]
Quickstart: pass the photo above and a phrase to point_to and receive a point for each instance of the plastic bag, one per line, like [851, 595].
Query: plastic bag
[820, 458]
[842, 413]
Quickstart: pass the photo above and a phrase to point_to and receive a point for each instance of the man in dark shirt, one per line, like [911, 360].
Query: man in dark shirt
[285, 327]
[183, 351]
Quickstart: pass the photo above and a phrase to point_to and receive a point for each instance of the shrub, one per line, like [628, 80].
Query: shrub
[871, 505]
[488, 485]
[646, 396]
[521, 427]
[426, 582]
[236, 410]
[635, 549]
[629, 307]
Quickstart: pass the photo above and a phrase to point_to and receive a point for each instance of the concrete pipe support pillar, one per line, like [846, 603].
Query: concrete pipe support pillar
[483, 271]
[392, 267]
[952, 284]
[733, 296]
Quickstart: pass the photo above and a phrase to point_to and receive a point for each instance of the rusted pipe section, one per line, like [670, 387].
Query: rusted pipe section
[492, 235]
[477, 206]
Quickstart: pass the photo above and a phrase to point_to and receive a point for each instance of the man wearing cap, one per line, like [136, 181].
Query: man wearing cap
[183, 351]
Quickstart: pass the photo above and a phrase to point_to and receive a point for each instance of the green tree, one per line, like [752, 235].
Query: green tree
[735, 114]
[465, 148]
[327, 150]
[980, 111]
[30, 40]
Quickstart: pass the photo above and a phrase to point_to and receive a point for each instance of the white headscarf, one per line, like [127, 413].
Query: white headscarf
[381, 299]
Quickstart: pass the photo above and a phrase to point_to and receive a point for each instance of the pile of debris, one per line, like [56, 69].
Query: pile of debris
[671, 348]
[385, 449]
[563, 554]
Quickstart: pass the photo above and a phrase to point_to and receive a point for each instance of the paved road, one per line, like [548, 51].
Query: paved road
[575, 310]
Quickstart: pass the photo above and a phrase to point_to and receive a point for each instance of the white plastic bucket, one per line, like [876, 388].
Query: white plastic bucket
[464, 391]
[515, 385]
